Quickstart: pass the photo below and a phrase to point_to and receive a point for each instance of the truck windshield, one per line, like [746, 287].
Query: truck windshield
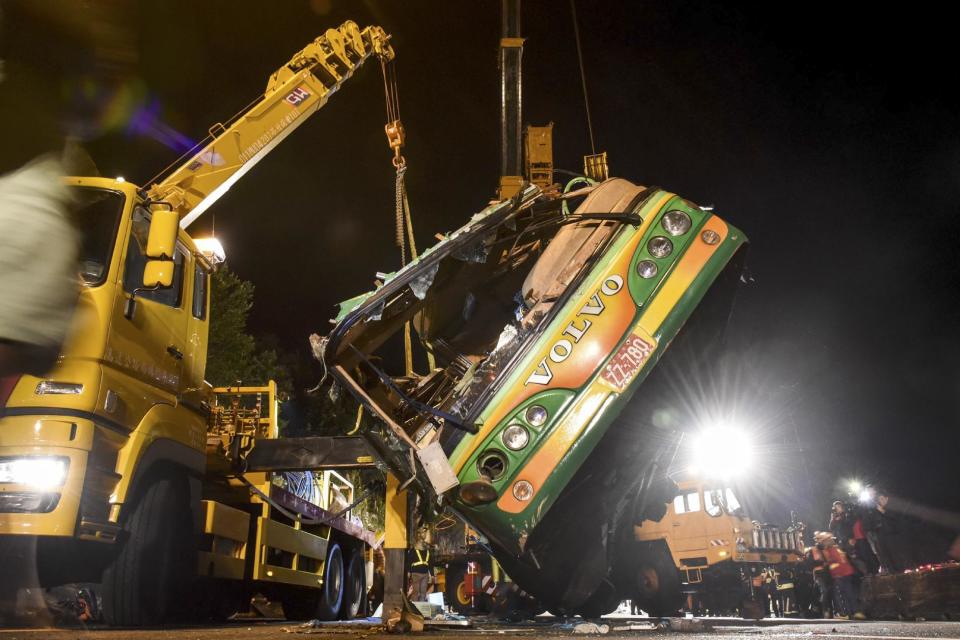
[97, 215]
[720, 500]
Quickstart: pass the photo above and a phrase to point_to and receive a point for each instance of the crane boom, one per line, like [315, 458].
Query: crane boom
[294, 92]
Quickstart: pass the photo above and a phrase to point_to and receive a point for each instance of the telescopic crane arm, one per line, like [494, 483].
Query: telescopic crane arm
[294, 92]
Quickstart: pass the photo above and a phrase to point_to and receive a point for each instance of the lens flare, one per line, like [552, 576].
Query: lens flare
[721, 452]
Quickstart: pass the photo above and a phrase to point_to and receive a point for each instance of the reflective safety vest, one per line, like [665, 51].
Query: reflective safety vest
[422, 560]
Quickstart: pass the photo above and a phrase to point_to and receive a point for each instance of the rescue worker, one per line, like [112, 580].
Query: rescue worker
[842, 575]
[821, 575]
[375, 594]
[769, 592]
[861, 547]
[841, 525]
[881, 528]
[420, 573]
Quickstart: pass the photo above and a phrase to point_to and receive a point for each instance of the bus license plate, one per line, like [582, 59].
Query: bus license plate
[627, 361]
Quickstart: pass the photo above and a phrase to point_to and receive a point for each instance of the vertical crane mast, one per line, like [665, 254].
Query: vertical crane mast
[511, 103]
[294, 93]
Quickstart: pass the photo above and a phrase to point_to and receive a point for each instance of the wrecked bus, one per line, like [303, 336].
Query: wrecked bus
[539, 420]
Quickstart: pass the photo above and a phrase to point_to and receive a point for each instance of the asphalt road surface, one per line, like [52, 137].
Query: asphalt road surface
[709, 629]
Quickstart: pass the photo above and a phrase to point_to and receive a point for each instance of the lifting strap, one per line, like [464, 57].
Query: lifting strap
[403, 219]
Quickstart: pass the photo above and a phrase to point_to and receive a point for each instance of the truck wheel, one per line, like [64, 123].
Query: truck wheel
[144, 582]
[603, 601]
[331, 597]
[355, 589]
[658, 589]
[455, 590]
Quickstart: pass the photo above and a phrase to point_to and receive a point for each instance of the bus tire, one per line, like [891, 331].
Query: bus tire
[145, 581]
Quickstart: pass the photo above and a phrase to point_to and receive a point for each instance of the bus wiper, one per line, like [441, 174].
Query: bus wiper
[416, 405]
[628, 218]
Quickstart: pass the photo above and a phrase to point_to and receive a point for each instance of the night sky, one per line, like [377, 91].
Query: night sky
[828, 133]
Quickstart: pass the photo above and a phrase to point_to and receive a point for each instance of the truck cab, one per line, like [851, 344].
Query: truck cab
[127, 390]
[718, 551]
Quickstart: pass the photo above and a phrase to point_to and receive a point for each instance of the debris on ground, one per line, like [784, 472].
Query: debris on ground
[687, 625]
[356, 627]
[636, 626]
[591, 628]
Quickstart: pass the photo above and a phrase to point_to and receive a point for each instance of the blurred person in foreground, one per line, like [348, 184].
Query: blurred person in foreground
[46, 48]
[38, 263]
[38, 244]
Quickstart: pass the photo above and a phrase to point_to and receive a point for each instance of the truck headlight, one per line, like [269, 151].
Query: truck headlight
[40, 473]
[515, 437]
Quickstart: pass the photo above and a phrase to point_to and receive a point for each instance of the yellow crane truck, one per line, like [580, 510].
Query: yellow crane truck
[719, 555]
[123, 466]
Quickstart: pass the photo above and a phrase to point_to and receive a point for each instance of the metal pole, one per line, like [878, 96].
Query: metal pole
[511, 99]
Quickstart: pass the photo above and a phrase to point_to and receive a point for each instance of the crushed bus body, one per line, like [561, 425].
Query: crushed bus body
[541, 327]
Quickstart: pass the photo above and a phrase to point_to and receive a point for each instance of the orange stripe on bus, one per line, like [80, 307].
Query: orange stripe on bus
[542, 464]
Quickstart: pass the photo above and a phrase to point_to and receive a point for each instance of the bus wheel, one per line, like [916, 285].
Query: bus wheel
[144, 582]
[331, 597]
[355, 589]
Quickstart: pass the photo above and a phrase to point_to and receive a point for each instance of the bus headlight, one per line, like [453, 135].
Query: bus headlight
[660, 247]
[36, 472]
[676, 223]
[536, 416]
[522, 490]
[515, 437]
[646, 268]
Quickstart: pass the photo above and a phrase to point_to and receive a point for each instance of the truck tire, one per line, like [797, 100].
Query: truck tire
[148, 577]
[331, 594]
[355, 587]
[658, 589]
[455, 594]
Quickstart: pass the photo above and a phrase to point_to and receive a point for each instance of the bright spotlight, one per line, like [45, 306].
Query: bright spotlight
[721, 452]
[865, 495]
[855, 487]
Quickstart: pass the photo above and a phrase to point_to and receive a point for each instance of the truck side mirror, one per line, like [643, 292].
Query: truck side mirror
[162, 237]
[158, 273]
[161, 245]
